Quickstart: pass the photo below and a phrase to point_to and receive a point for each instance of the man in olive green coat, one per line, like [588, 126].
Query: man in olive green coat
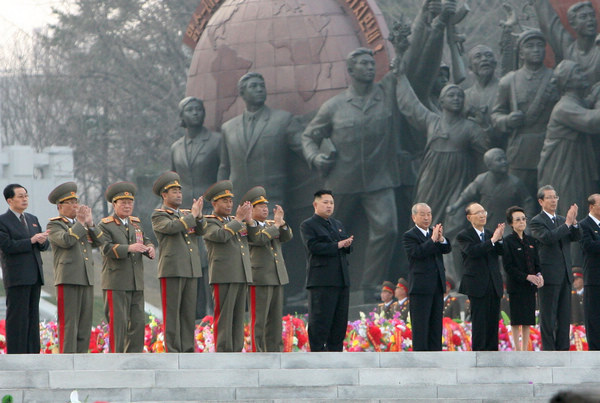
[229, 268]
[72, 236]
[123, 243]
[179, 265]
[269, 274]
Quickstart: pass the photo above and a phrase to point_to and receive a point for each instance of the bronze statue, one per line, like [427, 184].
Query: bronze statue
[568, 159]
[195, 157]
[480, 97]
[255, 143]
[496, 189]
[453, 143]
[522, 109]
[582, 48]
[359, 165]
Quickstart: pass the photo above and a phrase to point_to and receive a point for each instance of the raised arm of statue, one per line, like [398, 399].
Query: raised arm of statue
[411, 108]
[551, 26]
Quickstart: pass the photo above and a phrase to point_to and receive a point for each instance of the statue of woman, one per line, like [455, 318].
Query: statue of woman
[451, 151]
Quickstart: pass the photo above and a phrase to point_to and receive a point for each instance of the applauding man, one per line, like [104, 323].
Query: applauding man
[426, 278]
[72, 236]
[179, 265]
[482, 281]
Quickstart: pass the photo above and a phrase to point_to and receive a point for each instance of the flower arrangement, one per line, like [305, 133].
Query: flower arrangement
[371, 332]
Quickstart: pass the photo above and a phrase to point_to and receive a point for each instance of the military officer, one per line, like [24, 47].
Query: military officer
[229, 267]
[577, 317]
[388, 306]
[72, 235]
[401, 294]
[123, 243]
[451, 304]
[179, 265]
[269, 273]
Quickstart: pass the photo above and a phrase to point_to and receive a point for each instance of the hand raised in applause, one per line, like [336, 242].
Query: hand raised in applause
[197, 206]
[345, 243]
[278, 216]
[498, 233]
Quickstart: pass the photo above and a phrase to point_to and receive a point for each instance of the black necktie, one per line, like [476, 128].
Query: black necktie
[22, 219]
[482, 235]
[554, 220]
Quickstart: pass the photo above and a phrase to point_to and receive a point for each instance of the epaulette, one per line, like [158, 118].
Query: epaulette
[210, 216]
[106, 220]
[185, 210]
[162, 210]
[270, 222]
[59, 218]
[134, 218]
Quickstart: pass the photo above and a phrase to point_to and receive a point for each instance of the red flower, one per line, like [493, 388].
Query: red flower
[375, 333]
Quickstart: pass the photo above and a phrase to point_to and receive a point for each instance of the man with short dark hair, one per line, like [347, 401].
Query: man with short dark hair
[554, 233]
[179, 265]
[482, 282]
[590, 244]
[425, 247]
[21, 240]
[328, 279]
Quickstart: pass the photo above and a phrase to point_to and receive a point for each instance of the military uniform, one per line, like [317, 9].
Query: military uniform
[387, 310]
[451, 307]
[229, 271]
[179, 267]
[72, 244]
[269, 275]
[123, 275]
[402, 305]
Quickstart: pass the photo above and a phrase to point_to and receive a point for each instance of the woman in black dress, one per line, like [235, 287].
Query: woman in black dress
[522, 266]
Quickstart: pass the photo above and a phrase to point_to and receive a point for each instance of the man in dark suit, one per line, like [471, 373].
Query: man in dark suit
[482, 281]
[426, 278]
[590, 243]
[255, 143]
[328, 279]
[21, 240]
[554, 233]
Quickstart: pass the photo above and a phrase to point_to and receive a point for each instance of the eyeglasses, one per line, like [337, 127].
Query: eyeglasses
[480, 212]
[551, 198]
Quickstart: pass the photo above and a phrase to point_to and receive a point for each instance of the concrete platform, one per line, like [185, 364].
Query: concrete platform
[306, 377]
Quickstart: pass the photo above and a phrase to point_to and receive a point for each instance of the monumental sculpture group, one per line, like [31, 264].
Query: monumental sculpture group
[384, 138]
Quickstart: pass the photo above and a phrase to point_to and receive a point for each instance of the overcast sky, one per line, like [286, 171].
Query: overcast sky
[25, 16]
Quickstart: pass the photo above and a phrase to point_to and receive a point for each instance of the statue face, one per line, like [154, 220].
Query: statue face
[584, 23]
[497, 162]
[441, 80]
[363, 69]
[255, 92]
[578, 79]
[533, 51]
[173, 197]
[453, 100]
[483, 61]
[193, 114]
[260, 212]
